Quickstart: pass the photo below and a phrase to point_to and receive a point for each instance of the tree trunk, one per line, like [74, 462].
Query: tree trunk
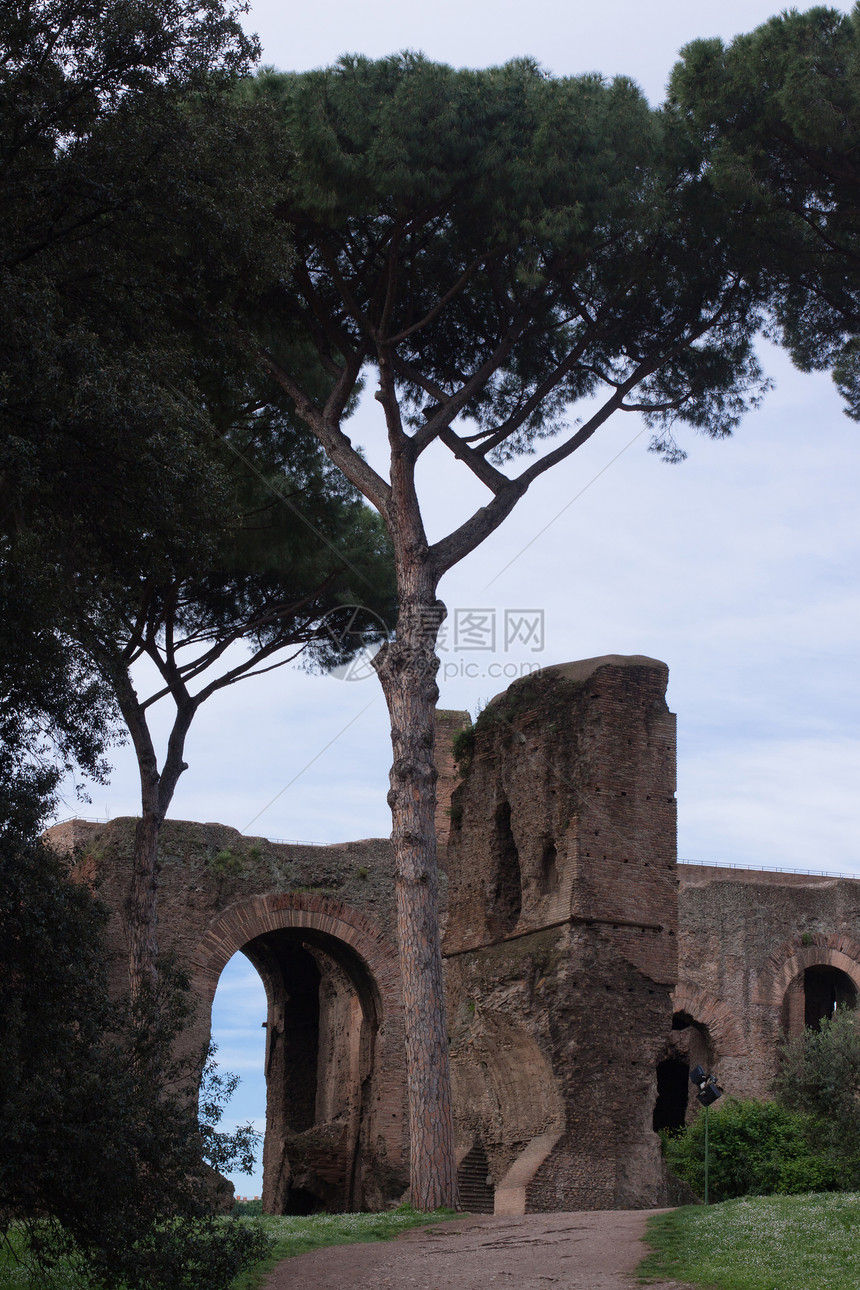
[142, 902]
[407, 670]
[156, 793]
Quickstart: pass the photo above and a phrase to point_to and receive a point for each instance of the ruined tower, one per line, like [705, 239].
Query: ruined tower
[561, 939]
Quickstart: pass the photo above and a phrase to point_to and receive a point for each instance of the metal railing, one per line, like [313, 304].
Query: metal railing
[768, 868]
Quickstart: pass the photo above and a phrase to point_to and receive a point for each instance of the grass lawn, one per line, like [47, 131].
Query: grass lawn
[298, 1235]
[760, 1243]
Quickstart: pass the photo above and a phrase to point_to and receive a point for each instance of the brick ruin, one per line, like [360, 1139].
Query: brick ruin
[586, 971]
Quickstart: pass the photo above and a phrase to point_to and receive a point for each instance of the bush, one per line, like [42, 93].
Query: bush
[755, 1149]
[248, 1208]
[820, 1078]
[102, 1140]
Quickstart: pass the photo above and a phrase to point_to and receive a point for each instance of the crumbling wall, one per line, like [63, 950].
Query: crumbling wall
[579, 978]
[561, 945]
[747, 939]
[319, 925]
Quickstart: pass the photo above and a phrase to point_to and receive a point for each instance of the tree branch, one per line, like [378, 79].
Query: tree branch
[334, 441]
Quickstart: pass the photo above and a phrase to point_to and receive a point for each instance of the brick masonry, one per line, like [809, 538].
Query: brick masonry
[579, 957]
[561, 942]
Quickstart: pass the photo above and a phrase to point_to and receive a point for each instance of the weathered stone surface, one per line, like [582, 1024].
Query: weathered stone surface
[747, 939]
[561, 941]
[318, 924]
[586, 973]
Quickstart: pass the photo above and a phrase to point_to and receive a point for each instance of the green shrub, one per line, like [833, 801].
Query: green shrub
[463, 748]
[820, 1077]
[755, 1149]
[95, 1102]
[248, 1208]
[226, 864]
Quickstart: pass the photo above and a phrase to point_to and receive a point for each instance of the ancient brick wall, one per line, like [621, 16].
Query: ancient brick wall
[585, 973]
[561, 939]
[318, 924]
[747, 941]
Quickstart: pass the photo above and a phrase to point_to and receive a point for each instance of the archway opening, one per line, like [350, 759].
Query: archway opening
[238, 1016]
[691, 1041]
[825, 989]
[320, 1026]
[673, 1092]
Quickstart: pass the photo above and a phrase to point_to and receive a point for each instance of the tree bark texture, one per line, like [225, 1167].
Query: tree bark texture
[142, 903]
[407, 670]
[156, 793]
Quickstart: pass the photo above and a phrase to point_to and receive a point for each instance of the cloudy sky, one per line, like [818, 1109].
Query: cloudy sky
[738, 567]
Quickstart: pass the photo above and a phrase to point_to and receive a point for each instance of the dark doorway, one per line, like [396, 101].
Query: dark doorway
[673, 1089]
[824, 990]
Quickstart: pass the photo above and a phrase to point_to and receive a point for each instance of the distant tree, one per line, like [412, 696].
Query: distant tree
[820, 1076]
[776, 114]
[495, 247]
[101, 1148]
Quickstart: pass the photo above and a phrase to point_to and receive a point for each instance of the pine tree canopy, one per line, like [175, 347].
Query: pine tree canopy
[502, 245]
[776, 115]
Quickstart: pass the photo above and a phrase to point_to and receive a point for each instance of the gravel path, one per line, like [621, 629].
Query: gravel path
[595, 1250]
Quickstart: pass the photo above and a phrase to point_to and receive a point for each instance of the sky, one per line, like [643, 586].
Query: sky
[737, 567]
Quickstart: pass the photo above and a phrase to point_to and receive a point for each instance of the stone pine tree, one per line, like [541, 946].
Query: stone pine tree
[130, 206]
[108, 235]
[299, 566]
[776, 114]
[490, 249]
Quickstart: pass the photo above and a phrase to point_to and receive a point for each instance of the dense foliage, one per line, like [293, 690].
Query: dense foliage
[101, 1149]
[755, 1149]
[820, 1077]
[123, 225]
[808, 1139]
[776, 114]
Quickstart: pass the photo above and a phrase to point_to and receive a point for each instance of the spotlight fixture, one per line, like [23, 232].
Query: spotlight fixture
[709, 1091]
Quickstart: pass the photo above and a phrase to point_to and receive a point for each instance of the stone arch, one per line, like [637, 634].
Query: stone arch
[795, 956]
[310, 912]
[347, 1151]
[716, 1017]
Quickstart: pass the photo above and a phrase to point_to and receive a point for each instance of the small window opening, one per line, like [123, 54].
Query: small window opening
[507, 898]
[549, 867]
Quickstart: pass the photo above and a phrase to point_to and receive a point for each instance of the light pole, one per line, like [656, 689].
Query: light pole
[709, 1091]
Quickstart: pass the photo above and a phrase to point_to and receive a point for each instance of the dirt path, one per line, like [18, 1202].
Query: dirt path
[597, 1250]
